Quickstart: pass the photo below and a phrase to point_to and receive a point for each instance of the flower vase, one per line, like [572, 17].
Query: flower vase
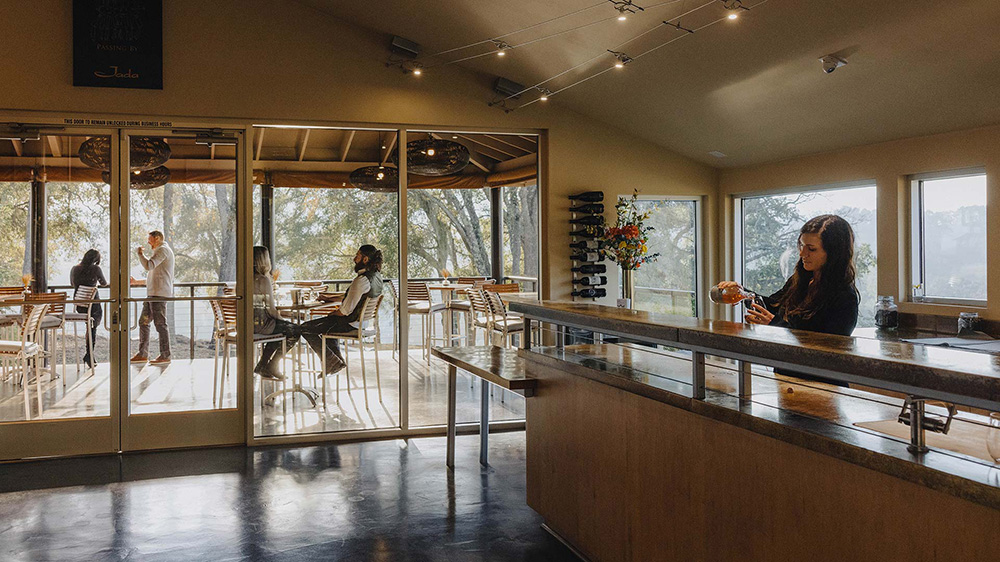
[628, 288]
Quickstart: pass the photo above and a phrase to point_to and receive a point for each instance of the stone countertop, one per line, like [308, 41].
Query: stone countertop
[950, 374]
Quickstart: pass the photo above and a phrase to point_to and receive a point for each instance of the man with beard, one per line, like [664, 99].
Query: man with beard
[367, 285]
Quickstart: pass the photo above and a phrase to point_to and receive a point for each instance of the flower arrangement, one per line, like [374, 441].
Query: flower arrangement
[625, 243]
[446, 274]
[26, 280]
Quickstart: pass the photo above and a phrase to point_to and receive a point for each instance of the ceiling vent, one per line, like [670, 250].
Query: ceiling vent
[404, 48]
[508, 88]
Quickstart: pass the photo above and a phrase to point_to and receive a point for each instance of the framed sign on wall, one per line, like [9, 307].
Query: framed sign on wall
[118, 43]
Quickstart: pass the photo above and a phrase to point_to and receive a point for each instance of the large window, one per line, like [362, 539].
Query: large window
[949, 237]
[669, 284]
[770, 231]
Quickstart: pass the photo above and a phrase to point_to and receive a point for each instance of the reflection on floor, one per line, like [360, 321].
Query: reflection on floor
[386, 500]
[188, 384]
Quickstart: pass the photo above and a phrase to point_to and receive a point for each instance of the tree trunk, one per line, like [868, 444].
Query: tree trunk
[227, 238]
[168, 221]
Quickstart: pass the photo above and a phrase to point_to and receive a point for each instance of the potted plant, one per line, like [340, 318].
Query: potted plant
[626, 243]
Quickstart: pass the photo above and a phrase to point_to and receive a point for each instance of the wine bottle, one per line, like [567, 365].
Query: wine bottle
[588, 245]
[732, 295]
[592, 280]
[590, 293]
[590, 269]
[589, 196]
[587, 256]
[592, 220]
[588, 233]
[596, 208]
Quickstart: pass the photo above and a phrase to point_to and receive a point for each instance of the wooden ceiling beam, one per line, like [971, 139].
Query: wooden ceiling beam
[346, 147]
[506, 139]
[260, 143]
[300, 146]
[18, 147]
[504, 154]
[54, 145]
[389, 147]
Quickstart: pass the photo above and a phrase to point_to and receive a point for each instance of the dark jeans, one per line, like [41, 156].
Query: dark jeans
[157, 313]
[313, 329]
[96, 314]
[270, 356]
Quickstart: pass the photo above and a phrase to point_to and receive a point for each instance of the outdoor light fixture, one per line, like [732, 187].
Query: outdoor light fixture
[144, 179]
[377, 179]
[145, 153]
[435, 157]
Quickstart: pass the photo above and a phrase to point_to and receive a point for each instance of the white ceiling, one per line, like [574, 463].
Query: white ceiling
[751, 88]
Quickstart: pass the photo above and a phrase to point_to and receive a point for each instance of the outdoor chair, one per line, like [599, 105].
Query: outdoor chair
[464, 305]
[369, 314]
[480, 315]
[27, 350]
[54, 320]
[225, 336]
[82, 293]
[9, 321]
[418, 301]
[502, 322]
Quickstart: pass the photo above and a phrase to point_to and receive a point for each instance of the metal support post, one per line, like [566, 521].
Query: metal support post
[918, 441]
[744, 379]
[451, 415]
[698, 375]
[484, 424]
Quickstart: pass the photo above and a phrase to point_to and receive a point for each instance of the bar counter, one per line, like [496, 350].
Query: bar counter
[627, 460]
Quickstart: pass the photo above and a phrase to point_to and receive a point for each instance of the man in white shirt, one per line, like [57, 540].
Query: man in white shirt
[367, 285]
[159, 283]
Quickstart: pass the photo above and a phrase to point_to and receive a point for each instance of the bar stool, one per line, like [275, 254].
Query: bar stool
[83, 293]
[369, 313]
[28, 350]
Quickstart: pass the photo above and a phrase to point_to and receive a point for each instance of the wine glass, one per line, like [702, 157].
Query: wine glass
[993, 437]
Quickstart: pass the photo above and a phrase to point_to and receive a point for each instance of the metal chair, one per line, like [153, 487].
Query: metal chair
[225, 335]
[54, 320]
[82, 293]
[369, 313]
[418, 301]
[28, 350]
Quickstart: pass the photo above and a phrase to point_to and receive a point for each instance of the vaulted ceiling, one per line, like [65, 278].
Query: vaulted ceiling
[752, 89]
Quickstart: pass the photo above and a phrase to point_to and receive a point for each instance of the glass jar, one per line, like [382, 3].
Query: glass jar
[968, 322]
[886, 313]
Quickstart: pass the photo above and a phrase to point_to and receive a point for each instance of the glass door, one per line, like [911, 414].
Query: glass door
[58, 229]
[180, 351]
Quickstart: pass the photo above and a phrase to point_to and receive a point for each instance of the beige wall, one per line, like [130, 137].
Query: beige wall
[888, 164]
[281, 60]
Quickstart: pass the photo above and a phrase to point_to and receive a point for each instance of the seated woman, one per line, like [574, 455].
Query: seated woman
[820, 296]
[367, 285]
[266, 319]
[88, 273]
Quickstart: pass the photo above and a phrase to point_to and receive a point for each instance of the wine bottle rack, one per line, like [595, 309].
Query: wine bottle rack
[586, 252]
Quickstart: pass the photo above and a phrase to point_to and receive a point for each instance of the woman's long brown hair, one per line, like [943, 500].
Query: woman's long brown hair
[804, 300]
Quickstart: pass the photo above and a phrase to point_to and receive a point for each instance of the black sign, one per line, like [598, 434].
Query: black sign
[118, 43]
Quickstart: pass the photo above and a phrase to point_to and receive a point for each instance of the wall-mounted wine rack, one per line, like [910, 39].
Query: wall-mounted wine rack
[586, 249]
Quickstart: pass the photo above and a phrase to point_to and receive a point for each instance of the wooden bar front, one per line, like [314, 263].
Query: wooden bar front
[622, 476]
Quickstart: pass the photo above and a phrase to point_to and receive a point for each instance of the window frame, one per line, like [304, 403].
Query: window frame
[699, 238]
[738, 210]
[917, 267]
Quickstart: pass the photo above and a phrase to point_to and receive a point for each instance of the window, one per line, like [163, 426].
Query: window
[949, 237]
[770, 231]
[669, 284]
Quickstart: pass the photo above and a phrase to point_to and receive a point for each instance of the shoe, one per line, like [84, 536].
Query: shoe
[161, 360]
[138, 358]
[334, 364]
[272, 375]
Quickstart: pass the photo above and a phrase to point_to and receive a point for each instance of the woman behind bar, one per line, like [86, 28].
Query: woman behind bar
[821, 295]
[88, 273]
[267, 319]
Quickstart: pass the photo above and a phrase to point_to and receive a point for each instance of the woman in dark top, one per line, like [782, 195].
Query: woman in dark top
[820, 296]
[88, 273]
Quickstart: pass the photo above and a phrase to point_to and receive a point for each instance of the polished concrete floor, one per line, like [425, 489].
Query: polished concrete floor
[386, 500]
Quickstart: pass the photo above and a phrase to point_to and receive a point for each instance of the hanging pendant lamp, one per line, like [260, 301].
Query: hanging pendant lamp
[145, 153]
[435, 157]
[377, 179]
[143, 179]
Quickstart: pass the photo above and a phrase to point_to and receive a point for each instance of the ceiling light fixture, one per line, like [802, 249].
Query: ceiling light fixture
[501, 46]
[734, 6]
[621, 58]
[624, 8]
[434, 157]
[379, 179]
[733, 16]
[545, 93]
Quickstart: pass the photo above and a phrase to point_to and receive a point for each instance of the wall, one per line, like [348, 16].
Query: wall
[888, 164]
[281, 60]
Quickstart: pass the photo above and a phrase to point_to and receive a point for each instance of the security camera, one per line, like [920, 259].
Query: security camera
[831, 63]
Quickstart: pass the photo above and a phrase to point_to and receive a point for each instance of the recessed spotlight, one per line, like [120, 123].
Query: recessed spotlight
[417, 72]
[383, 147]
[454, 136]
